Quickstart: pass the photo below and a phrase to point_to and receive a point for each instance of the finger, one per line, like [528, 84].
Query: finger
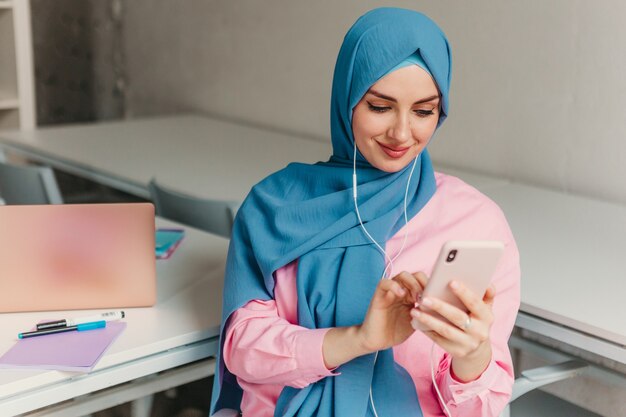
[422, 278]
[452, 348]
[389, 285]
[384, 296]
[446, 330]
[453, 314]
[473, 302]
[410, 283]
[390, 298]
[490, 294]
[455, 343]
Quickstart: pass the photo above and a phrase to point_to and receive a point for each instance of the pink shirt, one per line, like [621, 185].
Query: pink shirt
[267, 350]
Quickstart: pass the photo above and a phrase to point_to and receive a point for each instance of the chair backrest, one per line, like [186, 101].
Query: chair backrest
[213, 216]
[28, 184]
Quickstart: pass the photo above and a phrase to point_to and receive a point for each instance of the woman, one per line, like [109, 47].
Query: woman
[309, 326]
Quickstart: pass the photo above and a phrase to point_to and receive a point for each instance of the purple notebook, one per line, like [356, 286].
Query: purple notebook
[70, 351]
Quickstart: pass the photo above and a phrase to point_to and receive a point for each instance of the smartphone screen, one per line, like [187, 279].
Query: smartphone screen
[166, 241]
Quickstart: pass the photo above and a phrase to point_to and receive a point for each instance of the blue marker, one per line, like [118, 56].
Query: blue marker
[79, 327]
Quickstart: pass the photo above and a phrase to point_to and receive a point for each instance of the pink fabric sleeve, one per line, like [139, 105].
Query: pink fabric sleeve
[264, 345]
[484, 397]
[488, 395]
[262, 348]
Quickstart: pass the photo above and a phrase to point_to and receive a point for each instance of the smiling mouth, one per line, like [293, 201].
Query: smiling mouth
[394, 152]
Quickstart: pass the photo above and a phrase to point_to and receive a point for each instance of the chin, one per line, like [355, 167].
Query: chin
[389, 168]
[395, 165]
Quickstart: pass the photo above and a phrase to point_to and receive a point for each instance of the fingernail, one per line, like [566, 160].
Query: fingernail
[414, 324]
[415, 313]
[427, 302]
[454, 285]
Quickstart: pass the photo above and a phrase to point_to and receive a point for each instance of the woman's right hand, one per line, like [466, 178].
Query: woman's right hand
[387, 321]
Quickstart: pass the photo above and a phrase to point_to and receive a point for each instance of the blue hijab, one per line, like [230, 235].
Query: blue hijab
[306, 212]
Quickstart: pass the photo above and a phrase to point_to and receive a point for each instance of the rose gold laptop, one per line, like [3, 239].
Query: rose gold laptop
[60, 257]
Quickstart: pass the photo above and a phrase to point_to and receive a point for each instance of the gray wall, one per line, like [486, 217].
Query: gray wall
[78, 60]
[538, 90]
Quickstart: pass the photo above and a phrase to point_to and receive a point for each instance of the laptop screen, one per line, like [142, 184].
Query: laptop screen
[55, 257]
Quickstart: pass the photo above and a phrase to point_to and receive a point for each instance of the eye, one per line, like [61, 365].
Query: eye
[424, 113]
[377, 109]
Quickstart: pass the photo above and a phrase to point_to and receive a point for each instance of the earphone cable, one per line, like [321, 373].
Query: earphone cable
[389, 267]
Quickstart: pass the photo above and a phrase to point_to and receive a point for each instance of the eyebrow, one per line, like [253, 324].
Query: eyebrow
[384, 97]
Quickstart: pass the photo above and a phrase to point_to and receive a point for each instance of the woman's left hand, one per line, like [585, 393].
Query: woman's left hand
[466, 336]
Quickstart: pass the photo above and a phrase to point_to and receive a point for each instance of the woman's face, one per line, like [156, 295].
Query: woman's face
[396, 118]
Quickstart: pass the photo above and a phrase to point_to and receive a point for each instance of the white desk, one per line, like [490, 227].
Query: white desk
[572, 253]
[195, 155]
[181, 328]
[192, 154]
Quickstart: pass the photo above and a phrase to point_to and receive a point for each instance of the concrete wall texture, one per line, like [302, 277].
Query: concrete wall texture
[538, 91]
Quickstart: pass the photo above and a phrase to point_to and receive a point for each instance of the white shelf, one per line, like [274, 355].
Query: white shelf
[9, 102]
[9, 119]
[17, 90]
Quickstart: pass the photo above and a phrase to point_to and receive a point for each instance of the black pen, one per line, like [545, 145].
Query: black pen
[79, 327]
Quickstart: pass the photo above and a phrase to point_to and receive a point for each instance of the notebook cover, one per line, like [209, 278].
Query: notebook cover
[70, 351]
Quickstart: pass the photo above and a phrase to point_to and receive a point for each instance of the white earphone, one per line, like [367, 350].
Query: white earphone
[389, 266]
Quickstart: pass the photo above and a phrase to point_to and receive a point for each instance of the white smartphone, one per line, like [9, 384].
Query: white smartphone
[470, 262]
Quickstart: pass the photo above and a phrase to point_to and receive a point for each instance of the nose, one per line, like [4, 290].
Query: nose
[400, 130]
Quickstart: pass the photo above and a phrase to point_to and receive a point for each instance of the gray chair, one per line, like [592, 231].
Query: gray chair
[213, 216]
[27, 184]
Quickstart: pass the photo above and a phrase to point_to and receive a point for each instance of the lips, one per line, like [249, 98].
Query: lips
[394, 152]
